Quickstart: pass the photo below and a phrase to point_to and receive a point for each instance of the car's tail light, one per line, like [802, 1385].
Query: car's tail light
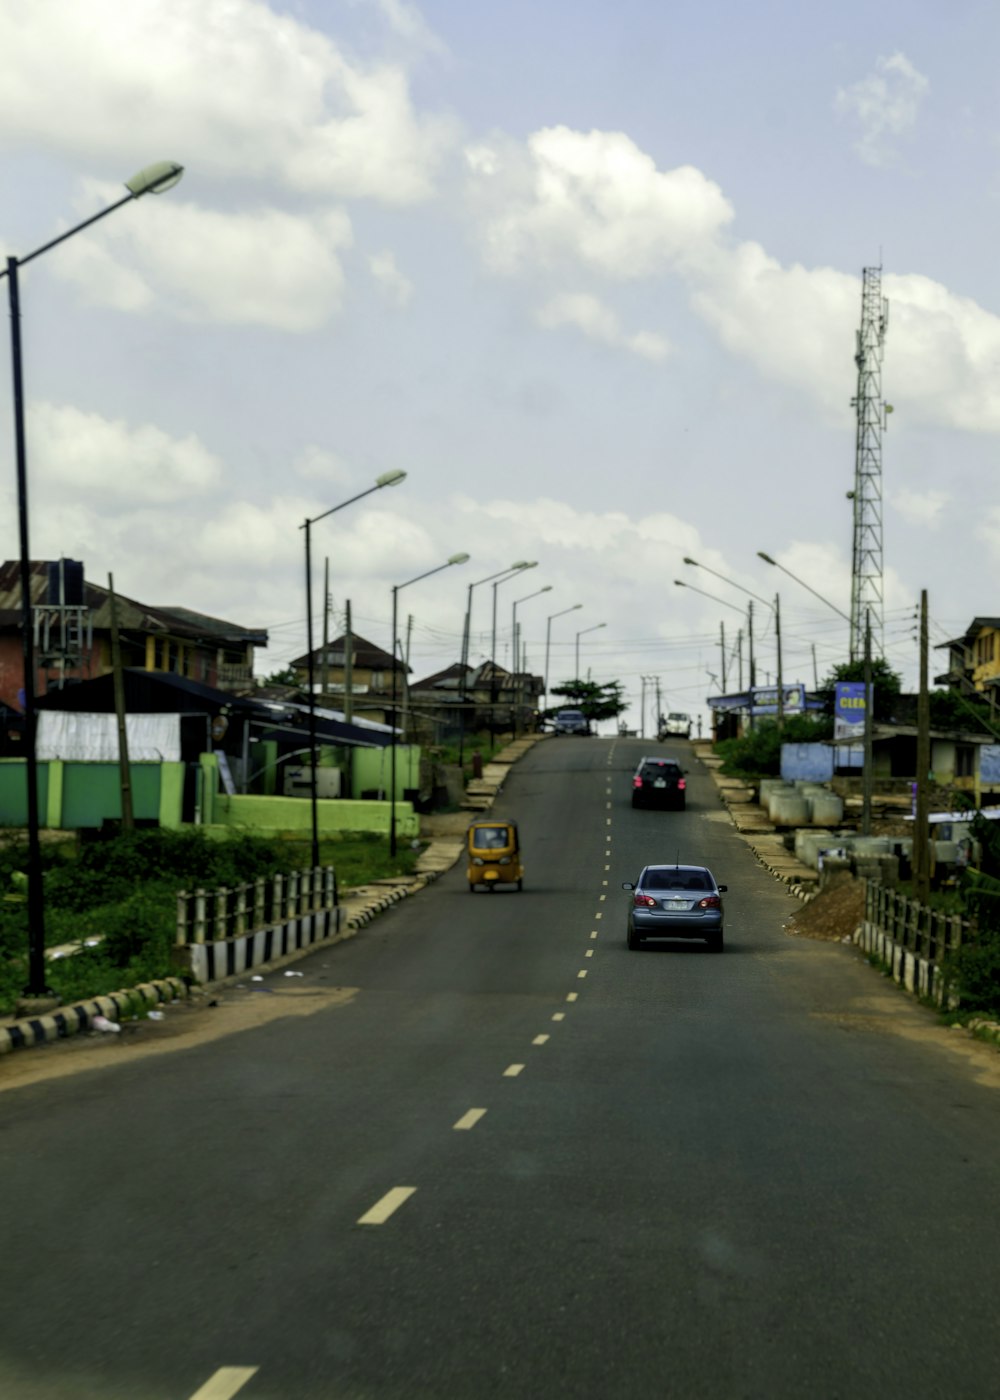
[637, 781]
[711, 901]
[681, 784]
[643, 901]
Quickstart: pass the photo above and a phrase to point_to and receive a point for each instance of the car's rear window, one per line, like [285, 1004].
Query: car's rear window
[679, 880]
[660, 770]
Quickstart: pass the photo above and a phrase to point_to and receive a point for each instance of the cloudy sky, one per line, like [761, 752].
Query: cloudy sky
[589, 273]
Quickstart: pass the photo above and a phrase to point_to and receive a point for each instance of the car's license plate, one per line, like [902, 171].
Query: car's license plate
[675, 904]
[659, 782]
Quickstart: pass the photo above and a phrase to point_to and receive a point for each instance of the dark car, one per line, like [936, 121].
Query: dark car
[571, 722]
[659, 782]
[676, 901]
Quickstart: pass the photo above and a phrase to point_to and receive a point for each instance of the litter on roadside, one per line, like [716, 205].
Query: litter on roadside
[101, 1023]
[155, 1015]
[294, 974]
[256, 978]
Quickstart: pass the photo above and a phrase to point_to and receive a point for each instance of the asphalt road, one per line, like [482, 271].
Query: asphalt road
[688, 1175]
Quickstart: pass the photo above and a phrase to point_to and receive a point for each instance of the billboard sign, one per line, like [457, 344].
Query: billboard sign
[765, 699]
[811, 762]
[849, 723]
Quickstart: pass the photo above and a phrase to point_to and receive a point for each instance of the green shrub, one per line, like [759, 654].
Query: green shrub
[973, 973]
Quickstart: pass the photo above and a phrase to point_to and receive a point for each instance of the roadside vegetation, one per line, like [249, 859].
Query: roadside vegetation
[122, 891]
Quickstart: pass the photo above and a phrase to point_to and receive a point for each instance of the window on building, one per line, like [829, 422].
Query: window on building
[965, 760]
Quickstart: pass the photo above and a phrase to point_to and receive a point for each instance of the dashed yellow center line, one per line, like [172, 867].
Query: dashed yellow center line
[589, 953]
[608, 806]
[225, 1383]
[512, 1071]
[582, 972]
[469, 1120]
[598, 915]
[572, 996]
[539, 1040]
[607, 867]
[608, 820]
[603, 896]
[387, 1206]
[559, 1016]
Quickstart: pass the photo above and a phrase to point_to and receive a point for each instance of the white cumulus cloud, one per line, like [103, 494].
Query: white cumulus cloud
[234, 84]
[260, 266]
[598, 322]
[919, 507]
[395, 286]
[82, 455]
[885, 105]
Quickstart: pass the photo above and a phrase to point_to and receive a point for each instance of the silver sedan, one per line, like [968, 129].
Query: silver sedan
[676, 901]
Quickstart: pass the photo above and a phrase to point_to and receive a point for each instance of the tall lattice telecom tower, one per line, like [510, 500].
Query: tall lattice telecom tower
[866, 565]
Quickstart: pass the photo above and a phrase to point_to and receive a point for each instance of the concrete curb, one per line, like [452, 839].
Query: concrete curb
[805, 893]
[68, 1020]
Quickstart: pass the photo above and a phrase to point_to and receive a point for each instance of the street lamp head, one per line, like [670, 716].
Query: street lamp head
[575, 606]
[546, 589]
[458, 559]
[679, 583]
[766, 558]
[155, 179]
[690, 561]
[522, 564]
[390, 478]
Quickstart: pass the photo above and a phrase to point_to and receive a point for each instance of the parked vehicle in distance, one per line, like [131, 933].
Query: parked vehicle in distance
[659, 782]
[676, 901]
[494, 854]
[571, 722]
[675, 726]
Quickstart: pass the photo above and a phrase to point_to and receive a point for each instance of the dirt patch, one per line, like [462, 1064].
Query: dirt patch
[834, 914]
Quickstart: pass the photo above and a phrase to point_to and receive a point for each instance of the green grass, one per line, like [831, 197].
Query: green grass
[124, 891]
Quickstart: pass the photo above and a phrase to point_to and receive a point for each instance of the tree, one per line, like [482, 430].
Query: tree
[286, 676]
[596, 701]
[886, 683]
[758, 753]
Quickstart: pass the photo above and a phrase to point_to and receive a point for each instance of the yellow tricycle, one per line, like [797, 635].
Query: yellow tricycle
[494, 852]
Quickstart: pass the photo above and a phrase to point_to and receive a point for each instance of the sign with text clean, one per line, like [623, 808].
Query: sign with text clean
[849, 722]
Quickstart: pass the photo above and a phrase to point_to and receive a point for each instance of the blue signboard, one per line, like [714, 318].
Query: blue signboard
[849, 722]
[765, 699]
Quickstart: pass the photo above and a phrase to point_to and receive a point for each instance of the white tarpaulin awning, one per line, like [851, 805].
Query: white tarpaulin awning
[83, 738]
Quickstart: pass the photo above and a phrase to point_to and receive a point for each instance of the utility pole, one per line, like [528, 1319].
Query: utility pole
[124, 773]
[867, 776]
[921, 848]
[642, 707]
[324, 670]
[739, 657]
[659, 706]
[815, 672]
[753, 668]
[348, 664]
[722, 646]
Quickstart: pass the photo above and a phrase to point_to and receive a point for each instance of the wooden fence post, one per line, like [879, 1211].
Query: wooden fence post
[241, 909]
[182, 918]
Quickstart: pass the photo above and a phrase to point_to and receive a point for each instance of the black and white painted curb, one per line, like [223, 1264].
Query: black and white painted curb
[211, 962]
[371, 911]
[68, 1020]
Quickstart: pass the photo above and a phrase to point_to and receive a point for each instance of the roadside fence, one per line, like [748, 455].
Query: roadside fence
[911, 938]
[227, 930]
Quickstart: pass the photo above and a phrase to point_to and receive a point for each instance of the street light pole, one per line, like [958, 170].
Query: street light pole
[154, 179]
[548, 638]
[530, 564]
[513, 633]
[396, 590]
[467, 640]
[596, 628]
[392, 478]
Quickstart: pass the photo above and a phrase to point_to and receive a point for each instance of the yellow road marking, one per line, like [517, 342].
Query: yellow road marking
[582, 972]
[539, 1040]
[598, 916]
[589, 953]
[607, 867]
[608, 820]
[593, 933]
[512, 1071]
[559, 1016]
[389, 1203]
[603, 896]
[469, 1120]
[225, 1383]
